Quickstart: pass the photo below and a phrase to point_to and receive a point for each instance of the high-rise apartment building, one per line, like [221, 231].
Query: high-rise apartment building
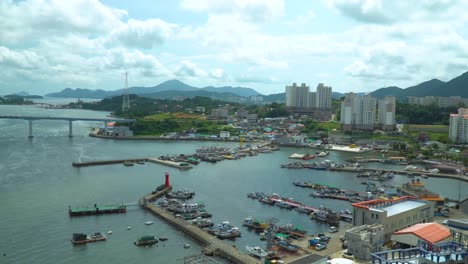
[324, 95]
[317, 104]
[458, 130]
[386, 116]
[358, 112]
[297, 96]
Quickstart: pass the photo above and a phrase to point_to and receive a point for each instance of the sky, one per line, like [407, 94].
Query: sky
[351, 45]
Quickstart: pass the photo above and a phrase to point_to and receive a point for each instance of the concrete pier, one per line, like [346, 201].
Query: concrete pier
[214, 244]
[174, 164]
[104, 162]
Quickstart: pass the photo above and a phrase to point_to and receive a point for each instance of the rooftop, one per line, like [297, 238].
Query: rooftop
[401, 207]
[430, 232]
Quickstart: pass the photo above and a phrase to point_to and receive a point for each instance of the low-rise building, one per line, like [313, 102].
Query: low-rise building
[252, 118]
[393, 214]
[428, 232]
[122, 131]
[224, 134]
[364, 240]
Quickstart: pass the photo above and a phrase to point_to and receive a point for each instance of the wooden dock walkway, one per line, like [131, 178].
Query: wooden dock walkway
[212, 244]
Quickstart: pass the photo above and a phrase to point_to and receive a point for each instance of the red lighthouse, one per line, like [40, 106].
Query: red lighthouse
[166, 184]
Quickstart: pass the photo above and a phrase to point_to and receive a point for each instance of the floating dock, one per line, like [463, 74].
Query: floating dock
[97, 210]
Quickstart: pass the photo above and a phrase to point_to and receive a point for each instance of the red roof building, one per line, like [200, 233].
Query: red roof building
[428, 232]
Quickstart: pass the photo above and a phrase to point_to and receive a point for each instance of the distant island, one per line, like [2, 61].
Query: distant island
[21, 98]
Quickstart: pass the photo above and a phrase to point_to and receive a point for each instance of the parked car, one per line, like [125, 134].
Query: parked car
[445, 222]
[320, 246]
[333, 229]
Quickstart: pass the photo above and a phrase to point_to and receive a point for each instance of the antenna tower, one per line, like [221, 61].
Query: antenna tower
[270, 231]
[126, 98]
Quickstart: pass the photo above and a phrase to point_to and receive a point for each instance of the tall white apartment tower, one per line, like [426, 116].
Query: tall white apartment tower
[458, 129]
[323, 98]
[386, 116]
[358, 112]
[297, 96]
[347, 112]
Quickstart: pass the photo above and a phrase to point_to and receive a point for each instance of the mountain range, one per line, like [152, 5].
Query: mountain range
[458, 86]
[176, 89]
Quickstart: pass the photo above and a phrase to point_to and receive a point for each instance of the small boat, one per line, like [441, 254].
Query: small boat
[129, 227]
[110, 232]
[79, 238]
[146, 241]
[128, 163]
[254, 223]
[283, 204]
[186, 245]
[288, 246]
[258, 251]
[140, 161]
[163, 239]
[229, 233]
[296, 156]
[323, 154]
[149, 223]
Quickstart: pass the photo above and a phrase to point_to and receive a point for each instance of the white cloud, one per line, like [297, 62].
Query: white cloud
[248, 10]
[19, 59]
[189, 69]
[30, 19]
[143, 34]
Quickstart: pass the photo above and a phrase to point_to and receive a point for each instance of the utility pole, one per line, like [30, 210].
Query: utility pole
[126, 98]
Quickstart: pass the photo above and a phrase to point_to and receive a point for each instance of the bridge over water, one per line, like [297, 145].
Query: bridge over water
[70, 120]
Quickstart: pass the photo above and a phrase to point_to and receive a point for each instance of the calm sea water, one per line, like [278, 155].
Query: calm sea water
[37, 183]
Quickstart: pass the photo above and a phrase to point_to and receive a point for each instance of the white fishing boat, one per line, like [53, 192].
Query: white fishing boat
[258, 251]
[296, 156]
[149, 223]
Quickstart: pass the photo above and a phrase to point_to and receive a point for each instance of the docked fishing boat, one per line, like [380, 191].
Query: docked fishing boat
[229, 233]
[180, 194]
[291, 229]
[326, 215]
[219, 227]
[254, 223]
[128, 163]
[303, 209]
[266, 200]
[323, 154]
[202, 222]
[296, 156]
[194, 215]
[288, 246]
[283, 204]
[302, 184]
[257, 251]
[308, 157]
[186, 208]
[79, 238]
[146, 241]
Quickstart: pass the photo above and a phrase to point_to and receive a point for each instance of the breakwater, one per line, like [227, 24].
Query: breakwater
[212, 244]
